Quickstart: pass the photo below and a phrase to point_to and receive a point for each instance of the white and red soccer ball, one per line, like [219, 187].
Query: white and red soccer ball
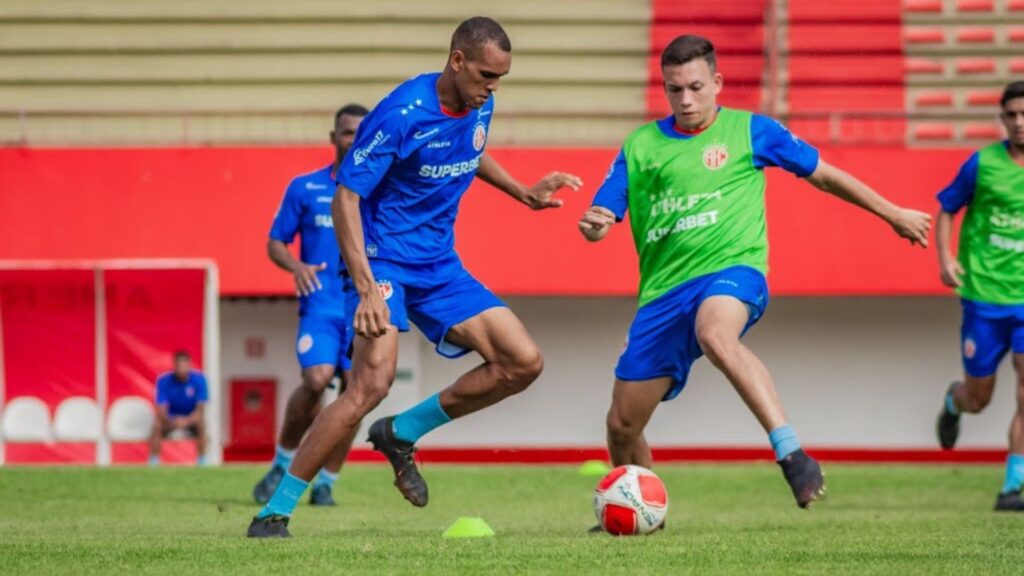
[630, 500]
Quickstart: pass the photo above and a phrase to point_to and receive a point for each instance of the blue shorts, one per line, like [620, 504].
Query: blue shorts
[435, 296]
[987, 333]
[323, 340]
[662, 340]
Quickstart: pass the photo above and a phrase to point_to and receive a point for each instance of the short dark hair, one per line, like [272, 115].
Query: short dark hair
[182, 355]
[477, 32]
[350, 110]
[686, 48]
[1013, 90]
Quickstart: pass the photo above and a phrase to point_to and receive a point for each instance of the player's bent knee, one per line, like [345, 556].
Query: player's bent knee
[620, 428]
[317, 380]
[717, 346]
[980, 400]
[523, 369]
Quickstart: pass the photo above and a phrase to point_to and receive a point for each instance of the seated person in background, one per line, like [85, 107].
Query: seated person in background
[180, 400]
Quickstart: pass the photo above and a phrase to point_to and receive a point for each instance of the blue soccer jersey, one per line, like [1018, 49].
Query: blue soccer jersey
[306, 211]
[180, 397]
[411, 162]
[771, 143]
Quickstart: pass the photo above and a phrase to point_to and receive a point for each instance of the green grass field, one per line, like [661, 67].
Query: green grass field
[727, 519]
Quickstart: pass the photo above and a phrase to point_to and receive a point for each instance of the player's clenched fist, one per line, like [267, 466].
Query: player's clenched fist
[373, 317]
[596, 222]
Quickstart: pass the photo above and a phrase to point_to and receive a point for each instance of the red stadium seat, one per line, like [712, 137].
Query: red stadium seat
[983, 97]
[1015, 5]
[934, 99]
[923, 6]
[975, 66]
[924, 35]
[1017, 65]
[1016, 34]
[934, 131]
[801, 11]
[845, 70]
[975, 5]
[923, 66]
[975, 35]
[843, 98]
[690, 12]
[853, 39]
[983, 132]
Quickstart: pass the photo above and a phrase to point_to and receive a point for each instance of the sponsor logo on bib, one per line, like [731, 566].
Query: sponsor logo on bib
[715, 156]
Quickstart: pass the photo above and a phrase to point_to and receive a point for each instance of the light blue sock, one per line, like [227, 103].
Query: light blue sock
[325, 478]
[286, 497]
[1014, 473]
[201, 460]
[283, 457]
[412, 424]
[784, 441]
[951, 405]
[154, 460]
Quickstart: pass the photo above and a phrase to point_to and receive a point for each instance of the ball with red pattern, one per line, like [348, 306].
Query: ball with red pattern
[630, 500]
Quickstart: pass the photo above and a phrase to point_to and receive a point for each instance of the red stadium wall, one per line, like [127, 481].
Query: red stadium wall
[218, 203]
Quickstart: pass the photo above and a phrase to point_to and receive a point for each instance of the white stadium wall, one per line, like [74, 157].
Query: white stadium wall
[852, 372]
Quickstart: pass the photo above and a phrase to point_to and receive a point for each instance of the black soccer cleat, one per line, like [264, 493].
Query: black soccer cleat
[400, 454]
[804, 476]
[947, 426]
[1009, 502]
[273, 526]
[265, 488]
[321, 495]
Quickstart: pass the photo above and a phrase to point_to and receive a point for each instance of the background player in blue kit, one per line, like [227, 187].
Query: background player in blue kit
[324, 334]
[399, 189]
[181, 397]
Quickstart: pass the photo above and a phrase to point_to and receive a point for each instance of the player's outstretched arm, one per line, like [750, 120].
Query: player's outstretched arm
[596, 222]
[372, 317]
[910, 224]
[538, 197]
[950, 270]
[306, 280]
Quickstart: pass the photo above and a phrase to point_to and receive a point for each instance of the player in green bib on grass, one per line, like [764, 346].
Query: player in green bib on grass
[988, 274]
[694, 185]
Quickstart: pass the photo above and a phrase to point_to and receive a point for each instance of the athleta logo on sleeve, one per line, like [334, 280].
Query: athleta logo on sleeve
[378, 139]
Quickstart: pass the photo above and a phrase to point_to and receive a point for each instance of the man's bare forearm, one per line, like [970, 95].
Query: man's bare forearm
[348, 229]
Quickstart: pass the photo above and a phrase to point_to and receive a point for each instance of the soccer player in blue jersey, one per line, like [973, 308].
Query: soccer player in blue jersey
[181, 397]
[694, 186]
[988, 274]
[399, 189]
[324, 334]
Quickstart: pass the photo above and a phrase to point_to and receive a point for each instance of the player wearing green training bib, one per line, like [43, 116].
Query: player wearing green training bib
[988, 273]
[694, 186]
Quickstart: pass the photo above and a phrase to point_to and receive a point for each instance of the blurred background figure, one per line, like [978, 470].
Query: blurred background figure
[181, 397]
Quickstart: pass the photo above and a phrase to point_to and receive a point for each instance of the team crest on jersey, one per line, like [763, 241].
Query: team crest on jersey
[715, 156]
[386, 290]
[479, 136]
[305, 343]
[970, 348]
